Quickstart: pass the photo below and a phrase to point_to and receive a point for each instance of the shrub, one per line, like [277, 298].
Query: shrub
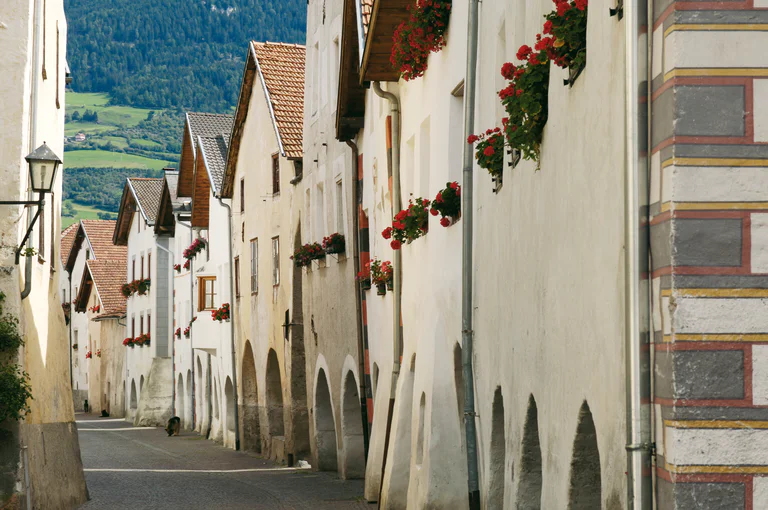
[16, 392]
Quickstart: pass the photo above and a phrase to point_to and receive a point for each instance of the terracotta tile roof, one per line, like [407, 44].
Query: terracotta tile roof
[215, 156]
[148, 192]
[108, 277]
[67, 240]
[209, 125]
[282, 71]
[99, 233]
[366, 7]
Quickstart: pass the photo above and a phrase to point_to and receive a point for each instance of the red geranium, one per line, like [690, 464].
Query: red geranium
[421, 35]
[447, 203]
[408, 224]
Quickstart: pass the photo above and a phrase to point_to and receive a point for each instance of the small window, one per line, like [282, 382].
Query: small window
[41, 236]
[142, 267]
[275, 174]
[149, 265]
[254, 266]
[275, 261]
[133, 326]
[298, 168]
[339, 208]
[206, 293]
[237, 276]
[141, 324]
[149, 323]
[242, 195]
[53, 231]
[133, 268]
[87, 254]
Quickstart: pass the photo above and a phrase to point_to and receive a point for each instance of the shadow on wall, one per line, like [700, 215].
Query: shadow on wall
[249, 411]
[353, 446]
[585, 490]
[498, 453]
[529, 486]
[325, 429]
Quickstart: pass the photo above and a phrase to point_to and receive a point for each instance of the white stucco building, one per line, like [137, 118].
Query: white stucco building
[148, 367]
[33, 42]
[74, 321]
[204, 372]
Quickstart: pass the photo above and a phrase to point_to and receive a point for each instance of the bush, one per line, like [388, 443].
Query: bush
[16, 391]
[10, 339]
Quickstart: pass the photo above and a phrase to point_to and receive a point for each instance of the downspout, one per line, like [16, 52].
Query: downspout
[71, 376]
[639, 446]
[394, 161]
[361, 347]
[232, 327]
[467, 211]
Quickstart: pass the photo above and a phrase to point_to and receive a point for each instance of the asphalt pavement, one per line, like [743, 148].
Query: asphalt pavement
[130, 468]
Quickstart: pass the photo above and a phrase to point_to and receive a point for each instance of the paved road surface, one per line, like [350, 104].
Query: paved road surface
[143, 469]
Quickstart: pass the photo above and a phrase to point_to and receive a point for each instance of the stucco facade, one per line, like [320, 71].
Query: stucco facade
[33, 44]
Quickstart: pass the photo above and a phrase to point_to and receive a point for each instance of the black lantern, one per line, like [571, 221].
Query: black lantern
[43, 163]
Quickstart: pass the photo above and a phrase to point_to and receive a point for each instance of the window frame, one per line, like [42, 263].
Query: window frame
[202, 294]
[149, 265]
[254, 247]
[242, 195]
[237, 277]
[276, 261]
[275, 174]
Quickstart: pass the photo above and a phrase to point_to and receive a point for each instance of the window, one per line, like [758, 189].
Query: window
[142, 267]
[275, 261]
[206, 290]
[237, 276]
[141, 324]
[133, 268]
[242, 195]
[339, 208]
[77, 334]
[242, 233]
[275, 174]
[149, 323]
[87, 254]
[298, 168]
[64, 295]
[149, 265]
[133, 326]
[45, 11]
[254, 266]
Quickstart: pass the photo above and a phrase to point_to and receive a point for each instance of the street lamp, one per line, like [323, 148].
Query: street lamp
[43, 163]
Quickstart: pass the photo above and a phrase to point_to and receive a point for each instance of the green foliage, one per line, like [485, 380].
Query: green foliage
[101, 188]
[15, 391]
[175, 53]
[10, 339]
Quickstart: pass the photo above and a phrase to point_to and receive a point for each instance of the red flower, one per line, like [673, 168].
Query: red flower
[519, 93]
[562, 8]
[581, 4]
[433, 211]
[395, 244]
[472, 139]
[505, 120]
[548, 27]
[439, 198]
[398, 225]
[508, 70]
[534, 60]
[489, 151]
[454, 184]
[387, 233]
[445, 222]
[523, 52]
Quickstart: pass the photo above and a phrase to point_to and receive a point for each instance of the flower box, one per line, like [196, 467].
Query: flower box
[409, 224]
[304, 256]
[140, 286]
[177, 268]
[88, 355]
[422, 34]
[334, 243]
[221, 314]
[381, 289]
[193, 249]
[447, 204]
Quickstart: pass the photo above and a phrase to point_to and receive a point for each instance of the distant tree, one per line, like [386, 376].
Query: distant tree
[150, 115]
[76, 116]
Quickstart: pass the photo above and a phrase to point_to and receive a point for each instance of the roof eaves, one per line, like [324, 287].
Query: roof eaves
[207, 167]
[138, 202]
[269, 102]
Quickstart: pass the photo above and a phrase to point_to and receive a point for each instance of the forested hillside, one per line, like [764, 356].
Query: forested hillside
[185, 54]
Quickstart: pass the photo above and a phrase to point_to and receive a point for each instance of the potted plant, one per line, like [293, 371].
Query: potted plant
[74, 347]
[128, 342]
[187, 264]
[193, 249]
[364, 277]
[143, 286]
[98, 353]
[304, 256]
[88, 355]
[334, 243]
[177, 268]
[221, 314]
[95, 309]
[381, 275]
[177, 333]
[447, 204]
[186, 332]
[409, 224]
[422, 34]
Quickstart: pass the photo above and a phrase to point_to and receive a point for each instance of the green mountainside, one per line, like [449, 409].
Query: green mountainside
[137, 66]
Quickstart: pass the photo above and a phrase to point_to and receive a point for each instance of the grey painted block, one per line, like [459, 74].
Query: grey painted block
[707, 242]
[700, 374]
[701, 496]
[709, 110]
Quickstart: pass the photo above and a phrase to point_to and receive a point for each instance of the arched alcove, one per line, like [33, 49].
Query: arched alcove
[375, 381]
[249, 410]
[180, 399]
[529, 486]
[420, 434]
[497, 453]
[274, 397]
[352, 430]
[188, 411]
[586, 485]
[199, 402]
[216, 399]
[325, 428]
[398, 470]
[229, 395]
[134, 398]
[297, 379]
[141, 384]
[458, 381]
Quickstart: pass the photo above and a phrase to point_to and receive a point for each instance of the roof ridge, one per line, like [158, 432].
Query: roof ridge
[284, 44]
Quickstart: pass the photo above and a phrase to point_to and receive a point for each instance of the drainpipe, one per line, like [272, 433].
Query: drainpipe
[394, 162]
[361, 347]
[71, 377]
[639, 446]
[467, 210]
[232, 327]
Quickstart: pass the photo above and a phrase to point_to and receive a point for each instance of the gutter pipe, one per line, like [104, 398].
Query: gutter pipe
[361, 347]
[394, 162]
[467, 205]
[231, 326]
[639, 446]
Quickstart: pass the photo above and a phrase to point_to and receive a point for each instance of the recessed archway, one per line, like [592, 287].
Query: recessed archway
[141, 385]
[216, 399]
[497, 454]
[297, 379]
[325, 428]
[274, 397]
[352, 430]
[398, 470]
[189, 411]
[199, 409]
[249, 410]
[529, 486]
[134, 399]
[180, 399]
[458, 381]
[229, 395]
[586, 485]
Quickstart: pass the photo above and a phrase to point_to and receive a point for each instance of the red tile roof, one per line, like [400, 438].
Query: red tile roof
[366, 7]
[282, 70]
[99, 233]
[67, 240]
[108, 277]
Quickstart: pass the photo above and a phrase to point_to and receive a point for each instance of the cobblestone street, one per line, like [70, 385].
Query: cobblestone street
[143, 468]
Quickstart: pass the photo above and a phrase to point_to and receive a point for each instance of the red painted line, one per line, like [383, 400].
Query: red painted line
[360, 171]
[664, 15]
[367, 363]
[389, 132]
[369, 405]
[700, 346]
[749, 120]
[748, 372]
[363, 217]
[748, 488]
[682, 402]
[701, 478]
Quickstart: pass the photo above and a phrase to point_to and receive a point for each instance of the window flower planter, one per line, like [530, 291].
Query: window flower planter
[187, 264]
[177, 268]
[142, 340]
[381, 289]
[186, 332]
[136, 286]
[381, 275]
[304, 256]
[409, 224]
[193, 249]
[177, 333]
[221, 314]
[95, 309]
[334, 244]
[364, 277]
[447, 204]
[98, 353]
[74, 347]
[128, 342]
[422, 34]
[88, 355]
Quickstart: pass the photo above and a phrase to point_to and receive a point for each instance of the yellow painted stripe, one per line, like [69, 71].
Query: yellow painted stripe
[715, 161]
[719, 470]
[743, 293]
[731, 27]
[710, 206]
[716, 337]
[716, 424]
[716, 71]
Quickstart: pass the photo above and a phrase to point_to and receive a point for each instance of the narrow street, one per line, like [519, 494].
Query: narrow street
[143, 468]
